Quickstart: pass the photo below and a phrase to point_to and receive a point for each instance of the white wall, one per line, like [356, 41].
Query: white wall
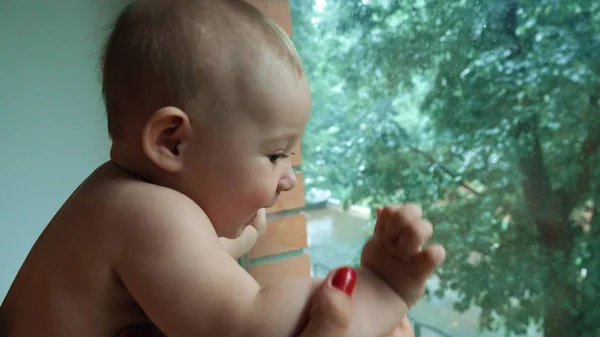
[52, 125]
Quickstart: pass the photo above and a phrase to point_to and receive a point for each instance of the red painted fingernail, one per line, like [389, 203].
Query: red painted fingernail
[345, 280]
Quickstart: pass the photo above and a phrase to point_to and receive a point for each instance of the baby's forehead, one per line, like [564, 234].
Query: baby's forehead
[274, 98]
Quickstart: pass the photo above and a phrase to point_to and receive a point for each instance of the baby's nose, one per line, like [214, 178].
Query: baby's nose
[288, 180]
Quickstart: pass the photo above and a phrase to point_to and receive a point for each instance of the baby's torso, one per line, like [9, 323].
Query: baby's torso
[67, 286]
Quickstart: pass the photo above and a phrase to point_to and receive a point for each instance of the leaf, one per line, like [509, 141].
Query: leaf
[446, 103]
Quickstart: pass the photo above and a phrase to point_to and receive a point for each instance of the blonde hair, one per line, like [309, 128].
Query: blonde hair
[180, 53]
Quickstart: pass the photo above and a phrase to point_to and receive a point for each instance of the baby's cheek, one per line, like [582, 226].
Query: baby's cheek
[264, 193]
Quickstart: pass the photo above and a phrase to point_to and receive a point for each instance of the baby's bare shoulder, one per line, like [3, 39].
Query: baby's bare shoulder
[142, 208]
[135, 212]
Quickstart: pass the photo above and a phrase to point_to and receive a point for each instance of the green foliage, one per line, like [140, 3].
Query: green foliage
[486, 113]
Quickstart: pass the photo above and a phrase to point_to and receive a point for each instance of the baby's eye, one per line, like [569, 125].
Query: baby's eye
[275, 157]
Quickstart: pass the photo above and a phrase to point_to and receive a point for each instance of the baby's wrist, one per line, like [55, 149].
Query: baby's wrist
[381, 265]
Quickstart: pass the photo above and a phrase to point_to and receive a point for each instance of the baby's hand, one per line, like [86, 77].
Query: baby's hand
[260, 223]
[396, 252]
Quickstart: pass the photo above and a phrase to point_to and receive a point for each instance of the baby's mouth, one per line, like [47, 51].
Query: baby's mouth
[272, 203]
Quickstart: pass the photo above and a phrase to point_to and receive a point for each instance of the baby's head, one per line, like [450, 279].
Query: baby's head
[207, 97]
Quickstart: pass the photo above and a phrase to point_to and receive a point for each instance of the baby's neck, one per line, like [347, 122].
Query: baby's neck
[130, 158]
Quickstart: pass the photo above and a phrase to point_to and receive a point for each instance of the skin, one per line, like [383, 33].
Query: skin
[242, 245]
[330, 309]
[139, 240]
[330, 316]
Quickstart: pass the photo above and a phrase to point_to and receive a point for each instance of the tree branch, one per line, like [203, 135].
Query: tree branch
[589, 147]
[446, 170]
[536, 183]
[546, 206]
[510, 25]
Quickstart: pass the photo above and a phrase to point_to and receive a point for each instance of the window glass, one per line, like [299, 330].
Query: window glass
[487, 113]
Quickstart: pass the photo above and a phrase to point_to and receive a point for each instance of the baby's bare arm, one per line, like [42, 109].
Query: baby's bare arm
[176, 268]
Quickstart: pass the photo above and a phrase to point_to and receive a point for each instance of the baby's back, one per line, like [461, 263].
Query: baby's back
[66, 286]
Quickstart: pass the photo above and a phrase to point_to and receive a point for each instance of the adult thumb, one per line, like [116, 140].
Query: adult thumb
[331, 311]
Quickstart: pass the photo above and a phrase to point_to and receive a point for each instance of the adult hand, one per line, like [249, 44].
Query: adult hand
[331, 310]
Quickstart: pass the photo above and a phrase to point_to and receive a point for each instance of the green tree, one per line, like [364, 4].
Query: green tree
[488, 114]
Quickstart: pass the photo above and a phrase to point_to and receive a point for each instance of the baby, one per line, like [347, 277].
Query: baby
[205, 100]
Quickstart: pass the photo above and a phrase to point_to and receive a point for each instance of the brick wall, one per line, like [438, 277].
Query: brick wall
[279, 253]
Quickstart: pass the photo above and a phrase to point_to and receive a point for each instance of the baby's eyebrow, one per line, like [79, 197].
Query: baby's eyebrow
[283, 138]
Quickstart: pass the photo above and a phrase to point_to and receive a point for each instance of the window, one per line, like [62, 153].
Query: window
[487, 113]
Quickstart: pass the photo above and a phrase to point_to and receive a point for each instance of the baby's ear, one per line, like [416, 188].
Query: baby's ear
[163, 136]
